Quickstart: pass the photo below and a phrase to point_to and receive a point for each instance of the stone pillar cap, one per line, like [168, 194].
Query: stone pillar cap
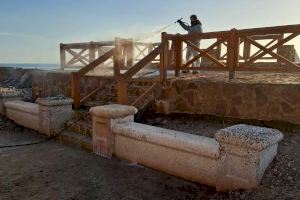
[113, 111]
[253, 137]
[54, 101]
[7, 93]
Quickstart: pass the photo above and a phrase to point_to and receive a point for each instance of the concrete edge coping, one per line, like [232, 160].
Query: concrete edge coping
[252, 137]
[54, 101]
[113, 111]
[23, 106]
[10, 94]
[190, 143]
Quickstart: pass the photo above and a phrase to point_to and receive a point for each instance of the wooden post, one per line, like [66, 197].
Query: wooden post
[121, 80]
[62, 56]
[164, 57]
[233, 53]
[92, 52]
[247, 50]
[178, 55]
[281, 37]
[130, 53]
[75, 89]
[116, 58]
[219, 50]
[122, 86]
[150, 48]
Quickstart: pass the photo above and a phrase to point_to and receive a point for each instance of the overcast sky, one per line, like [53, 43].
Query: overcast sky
[31, 30]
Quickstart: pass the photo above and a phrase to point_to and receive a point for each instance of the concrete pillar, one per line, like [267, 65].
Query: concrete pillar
[245, 153]
[104, 118]
[53, 113]
[8, 95]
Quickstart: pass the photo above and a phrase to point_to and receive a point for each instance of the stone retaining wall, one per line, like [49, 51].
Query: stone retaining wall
[261, 101]
[47, 84]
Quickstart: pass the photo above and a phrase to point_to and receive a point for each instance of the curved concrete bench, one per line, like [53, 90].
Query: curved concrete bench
[185, 155]
[236, 159]
[47, 116]
[23, 113]
[195, 144]
[8, 95]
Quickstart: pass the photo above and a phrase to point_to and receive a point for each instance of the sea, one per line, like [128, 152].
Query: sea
[31, 66]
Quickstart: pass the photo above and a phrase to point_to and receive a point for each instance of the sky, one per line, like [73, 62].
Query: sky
[31, 30]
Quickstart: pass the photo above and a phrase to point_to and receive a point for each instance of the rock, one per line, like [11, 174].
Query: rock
[290, 178]
[25, 81]
[164, 122]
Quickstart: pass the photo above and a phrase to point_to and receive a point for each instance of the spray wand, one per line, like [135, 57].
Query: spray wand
[178, 20]
[158, 31]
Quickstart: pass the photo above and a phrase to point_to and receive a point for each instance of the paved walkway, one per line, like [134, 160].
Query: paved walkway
[56, 171]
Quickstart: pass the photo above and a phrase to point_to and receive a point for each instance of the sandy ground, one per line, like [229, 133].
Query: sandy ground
[56, 171]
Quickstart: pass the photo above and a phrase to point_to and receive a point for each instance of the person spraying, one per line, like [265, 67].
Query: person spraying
[195, 27]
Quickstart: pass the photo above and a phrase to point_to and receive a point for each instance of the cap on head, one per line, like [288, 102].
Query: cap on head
[193, 17]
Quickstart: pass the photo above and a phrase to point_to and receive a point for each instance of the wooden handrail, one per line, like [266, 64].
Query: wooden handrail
[87, 44]
[75, 78]
[143, 62]
[150, 89]
[270, 30]
[207, 35]
[96, 62]
[94, 92]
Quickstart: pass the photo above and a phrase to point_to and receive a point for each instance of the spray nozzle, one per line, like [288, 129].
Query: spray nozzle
[178, 20]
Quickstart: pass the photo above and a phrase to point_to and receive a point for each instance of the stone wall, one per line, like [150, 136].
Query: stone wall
[46, 84]
[10, 73]
[241, 100]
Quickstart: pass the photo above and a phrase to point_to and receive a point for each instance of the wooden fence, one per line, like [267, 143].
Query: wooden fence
[234, 50]
[78, 55]
[122, 56]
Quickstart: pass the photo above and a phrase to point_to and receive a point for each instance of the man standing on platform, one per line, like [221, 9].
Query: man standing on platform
[195, 27]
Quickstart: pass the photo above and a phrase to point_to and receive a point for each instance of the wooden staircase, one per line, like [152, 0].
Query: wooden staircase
[79, 132]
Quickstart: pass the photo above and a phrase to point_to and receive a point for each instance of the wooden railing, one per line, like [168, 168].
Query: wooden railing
[117, 53]
[234, 50]
[142, 49]
[76, 77]
[78, 55]
[124, 79]
[75, 55]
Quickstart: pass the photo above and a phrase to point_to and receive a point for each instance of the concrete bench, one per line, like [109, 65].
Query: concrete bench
[236, 159]
[23, 113]
[47, 116]
[8, 95]
[192, 157]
